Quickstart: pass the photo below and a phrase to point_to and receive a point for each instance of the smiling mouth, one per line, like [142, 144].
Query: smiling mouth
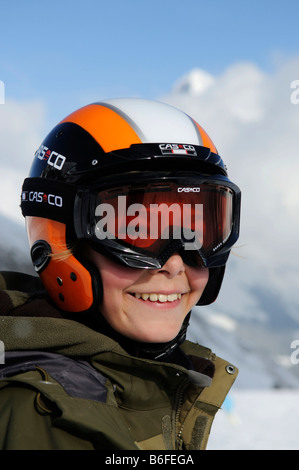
[158, 297]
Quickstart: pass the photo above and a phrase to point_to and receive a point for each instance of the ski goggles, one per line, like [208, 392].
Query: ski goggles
[142, 223]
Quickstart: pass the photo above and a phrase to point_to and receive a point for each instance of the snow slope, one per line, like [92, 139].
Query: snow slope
[257, 420]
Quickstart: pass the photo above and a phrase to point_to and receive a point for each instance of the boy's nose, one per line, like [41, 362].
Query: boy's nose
[173, 266]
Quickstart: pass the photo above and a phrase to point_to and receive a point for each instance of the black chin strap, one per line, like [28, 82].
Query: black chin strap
[162, 351]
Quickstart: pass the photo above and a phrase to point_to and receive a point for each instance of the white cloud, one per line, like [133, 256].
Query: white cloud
[21, 129]
[250, 117]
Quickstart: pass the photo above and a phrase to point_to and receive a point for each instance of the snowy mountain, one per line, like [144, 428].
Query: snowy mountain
[196, 82]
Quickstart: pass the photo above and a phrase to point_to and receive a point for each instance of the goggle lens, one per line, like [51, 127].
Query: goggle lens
[146, 217]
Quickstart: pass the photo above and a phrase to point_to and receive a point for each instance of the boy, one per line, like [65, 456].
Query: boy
[130, 218]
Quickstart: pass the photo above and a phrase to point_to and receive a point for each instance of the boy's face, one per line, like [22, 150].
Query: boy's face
[154, 321]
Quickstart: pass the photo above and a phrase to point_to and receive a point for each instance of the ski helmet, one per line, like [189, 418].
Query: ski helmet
[119, 154]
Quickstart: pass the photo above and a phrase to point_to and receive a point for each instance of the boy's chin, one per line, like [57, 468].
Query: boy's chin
[157, 337]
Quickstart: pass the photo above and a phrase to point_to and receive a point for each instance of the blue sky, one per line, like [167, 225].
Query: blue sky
[68, 53]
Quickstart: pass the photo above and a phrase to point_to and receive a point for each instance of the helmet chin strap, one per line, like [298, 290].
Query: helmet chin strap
[161, 351]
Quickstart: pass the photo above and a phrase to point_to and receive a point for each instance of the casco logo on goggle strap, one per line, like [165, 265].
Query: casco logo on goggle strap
[54, 159]
[179, 149]
[153, 222]
[39, 196]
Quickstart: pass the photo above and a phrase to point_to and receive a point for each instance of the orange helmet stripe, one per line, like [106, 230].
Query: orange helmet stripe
[206, 141]
[107, 127]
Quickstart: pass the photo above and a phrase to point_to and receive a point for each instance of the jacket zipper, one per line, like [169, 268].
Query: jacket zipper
[179, 404]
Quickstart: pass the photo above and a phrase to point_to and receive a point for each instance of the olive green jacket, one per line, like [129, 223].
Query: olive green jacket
[65, 386]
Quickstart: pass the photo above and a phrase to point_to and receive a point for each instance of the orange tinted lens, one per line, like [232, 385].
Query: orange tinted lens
[149, 216]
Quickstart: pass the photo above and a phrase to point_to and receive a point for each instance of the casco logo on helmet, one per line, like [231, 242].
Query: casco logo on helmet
[51, 157]
[39, 196]
[181, 149]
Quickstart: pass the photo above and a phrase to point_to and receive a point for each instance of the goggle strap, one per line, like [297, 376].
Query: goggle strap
[42, 197]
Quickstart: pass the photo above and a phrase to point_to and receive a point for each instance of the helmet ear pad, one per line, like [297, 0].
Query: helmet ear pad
[74, 285]
[213, 286]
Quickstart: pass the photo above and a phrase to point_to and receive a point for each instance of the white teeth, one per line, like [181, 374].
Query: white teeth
[158, 297]
[153, 297]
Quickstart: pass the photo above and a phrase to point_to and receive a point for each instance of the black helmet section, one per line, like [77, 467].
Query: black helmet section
[69, 153]
[67, 149]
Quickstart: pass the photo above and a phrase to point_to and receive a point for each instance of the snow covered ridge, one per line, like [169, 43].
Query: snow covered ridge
[195, 82]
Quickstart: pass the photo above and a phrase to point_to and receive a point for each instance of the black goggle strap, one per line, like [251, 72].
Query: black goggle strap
[63, 203]
[46, 198]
